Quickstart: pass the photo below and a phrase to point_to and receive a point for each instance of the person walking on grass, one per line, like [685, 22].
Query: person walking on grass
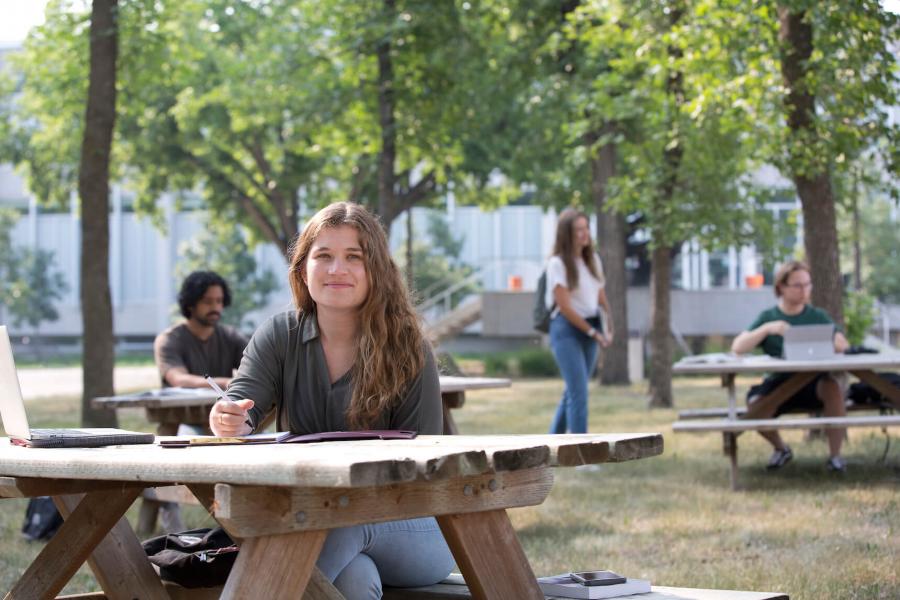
[793, 287]
[575, 290]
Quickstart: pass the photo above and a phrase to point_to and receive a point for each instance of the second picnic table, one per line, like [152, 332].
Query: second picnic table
[171, 407]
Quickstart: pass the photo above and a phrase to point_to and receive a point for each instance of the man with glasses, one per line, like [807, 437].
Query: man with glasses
[793, 286]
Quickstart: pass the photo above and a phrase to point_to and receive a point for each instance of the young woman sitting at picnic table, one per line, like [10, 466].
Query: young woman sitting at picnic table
[351, 356]
[793, 288]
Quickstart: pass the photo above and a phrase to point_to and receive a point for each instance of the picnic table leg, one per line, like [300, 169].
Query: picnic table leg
[729, 444]
[451, 400]
[89, 522]
[728, 383]
[274, 567]
[318, 588]
[489, 555]
[118, 562]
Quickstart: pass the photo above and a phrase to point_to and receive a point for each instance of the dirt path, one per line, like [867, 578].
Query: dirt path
[66, 381]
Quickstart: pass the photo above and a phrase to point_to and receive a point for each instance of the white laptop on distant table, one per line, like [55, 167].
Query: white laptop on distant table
[809, 342]
[15, 422]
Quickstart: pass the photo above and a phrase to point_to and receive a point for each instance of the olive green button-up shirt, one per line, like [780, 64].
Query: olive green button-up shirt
[284, 368]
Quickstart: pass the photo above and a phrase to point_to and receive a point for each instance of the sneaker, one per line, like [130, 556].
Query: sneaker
[591, 468]
[836, 464]
[780, 458]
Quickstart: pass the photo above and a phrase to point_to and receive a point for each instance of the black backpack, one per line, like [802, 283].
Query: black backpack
[541, 312]
[863, 393]
[195, 558]
[42, 520]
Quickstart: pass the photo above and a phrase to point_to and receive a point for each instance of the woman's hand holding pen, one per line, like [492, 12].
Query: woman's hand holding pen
[230, 418]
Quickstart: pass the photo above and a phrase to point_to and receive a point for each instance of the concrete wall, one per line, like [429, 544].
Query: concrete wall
[694, 313]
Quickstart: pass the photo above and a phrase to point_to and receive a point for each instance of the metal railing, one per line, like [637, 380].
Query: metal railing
[440, 303]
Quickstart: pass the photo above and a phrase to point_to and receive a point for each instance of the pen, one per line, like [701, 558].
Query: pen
[215, 386]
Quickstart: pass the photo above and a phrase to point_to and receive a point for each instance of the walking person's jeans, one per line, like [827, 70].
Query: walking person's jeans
[576, 355]
[407, 553]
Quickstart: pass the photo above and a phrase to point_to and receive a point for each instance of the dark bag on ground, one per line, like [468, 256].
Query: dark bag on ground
[541, 312]
[42, 520]
[195, 558]
[863, 393]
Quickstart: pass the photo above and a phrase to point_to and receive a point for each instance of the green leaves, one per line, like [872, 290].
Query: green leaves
[30, 284]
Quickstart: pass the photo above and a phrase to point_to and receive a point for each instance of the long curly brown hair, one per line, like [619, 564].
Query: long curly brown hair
[389, 353]
[565, 245]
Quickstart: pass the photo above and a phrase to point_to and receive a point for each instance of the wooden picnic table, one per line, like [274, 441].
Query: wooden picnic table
[281, 502]
[170, 407]
[863, 366]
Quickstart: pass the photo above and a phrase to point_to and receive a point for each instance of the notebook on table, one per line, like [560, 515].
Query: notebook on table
[809, 342]
[286, 437]
[15, 421]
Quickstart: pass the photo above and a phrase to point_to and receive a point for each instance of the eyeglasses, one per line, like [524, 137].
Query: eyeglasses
[799, 286]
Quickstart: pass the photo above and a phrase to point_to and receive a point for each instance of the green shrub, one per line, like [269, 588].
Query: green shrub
[530, 362]
[537, 362]
[859, 315]
[497, 363]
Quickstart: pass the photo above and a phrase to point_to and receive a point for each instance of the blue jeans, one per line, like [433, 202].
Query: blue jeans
[576, 355]
[408, 553]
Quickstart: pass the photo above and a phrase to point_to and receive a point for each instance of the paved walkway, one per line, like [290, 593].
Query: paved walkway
[66, 381]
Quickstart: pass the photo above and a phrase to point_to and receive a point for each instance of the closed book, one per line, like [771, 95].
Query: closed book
[562, 586]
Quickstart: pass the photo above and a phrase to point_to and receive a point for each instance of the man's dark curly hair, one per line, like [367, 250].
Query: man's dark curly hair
[195, 285]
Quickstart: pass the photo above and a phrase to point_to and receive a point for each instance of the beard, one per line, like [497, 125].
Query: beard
[207, 320]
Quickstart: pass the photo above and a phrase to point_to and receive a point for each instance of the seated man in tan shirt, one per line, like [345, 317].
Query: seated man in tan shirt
[200, 345]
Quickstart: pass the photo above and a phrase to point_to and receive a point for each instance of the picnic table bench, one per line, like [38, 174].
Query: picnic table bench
[734, 420]
[444, 591]
[280, 505]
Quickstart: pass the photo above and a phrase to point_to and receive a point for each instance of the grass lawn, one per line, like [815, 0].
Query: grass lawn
[672, 519]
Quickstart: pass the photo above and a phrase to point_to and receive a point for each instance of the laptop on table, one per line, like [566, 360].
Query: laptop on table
[15, 422]
[809, 342]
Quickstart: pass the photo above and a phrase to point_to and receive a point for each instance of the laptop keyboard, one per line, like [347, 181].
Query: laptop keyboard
[60, 433]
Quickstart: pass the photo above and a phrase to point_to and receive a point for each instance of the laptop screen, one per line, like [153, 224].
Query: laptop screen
[809, 342]
[12, 407]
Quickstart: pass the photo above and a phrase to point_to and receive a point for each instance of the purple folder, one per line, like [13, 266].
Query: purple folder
[338, 436]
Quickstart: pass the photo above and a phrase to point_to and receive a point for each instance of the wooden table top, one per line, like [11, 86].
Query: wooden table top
[450, 383]
[333, 464]
[721, 363]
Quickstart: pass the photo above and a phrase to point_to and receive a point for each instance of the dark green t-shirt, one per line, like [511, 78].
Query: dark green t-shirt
[773, 345]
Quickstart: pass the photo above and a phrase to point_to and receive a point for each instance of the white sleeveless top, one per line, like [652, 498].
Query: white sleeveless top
[584, 297]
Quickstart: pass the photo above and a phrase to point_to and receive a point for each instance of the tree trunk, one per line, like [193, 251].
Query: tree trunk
[660, 389]
[814, 187]
[386, 120]
[611, 239]
[93, 188]
[661, 266]
[857, 249]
